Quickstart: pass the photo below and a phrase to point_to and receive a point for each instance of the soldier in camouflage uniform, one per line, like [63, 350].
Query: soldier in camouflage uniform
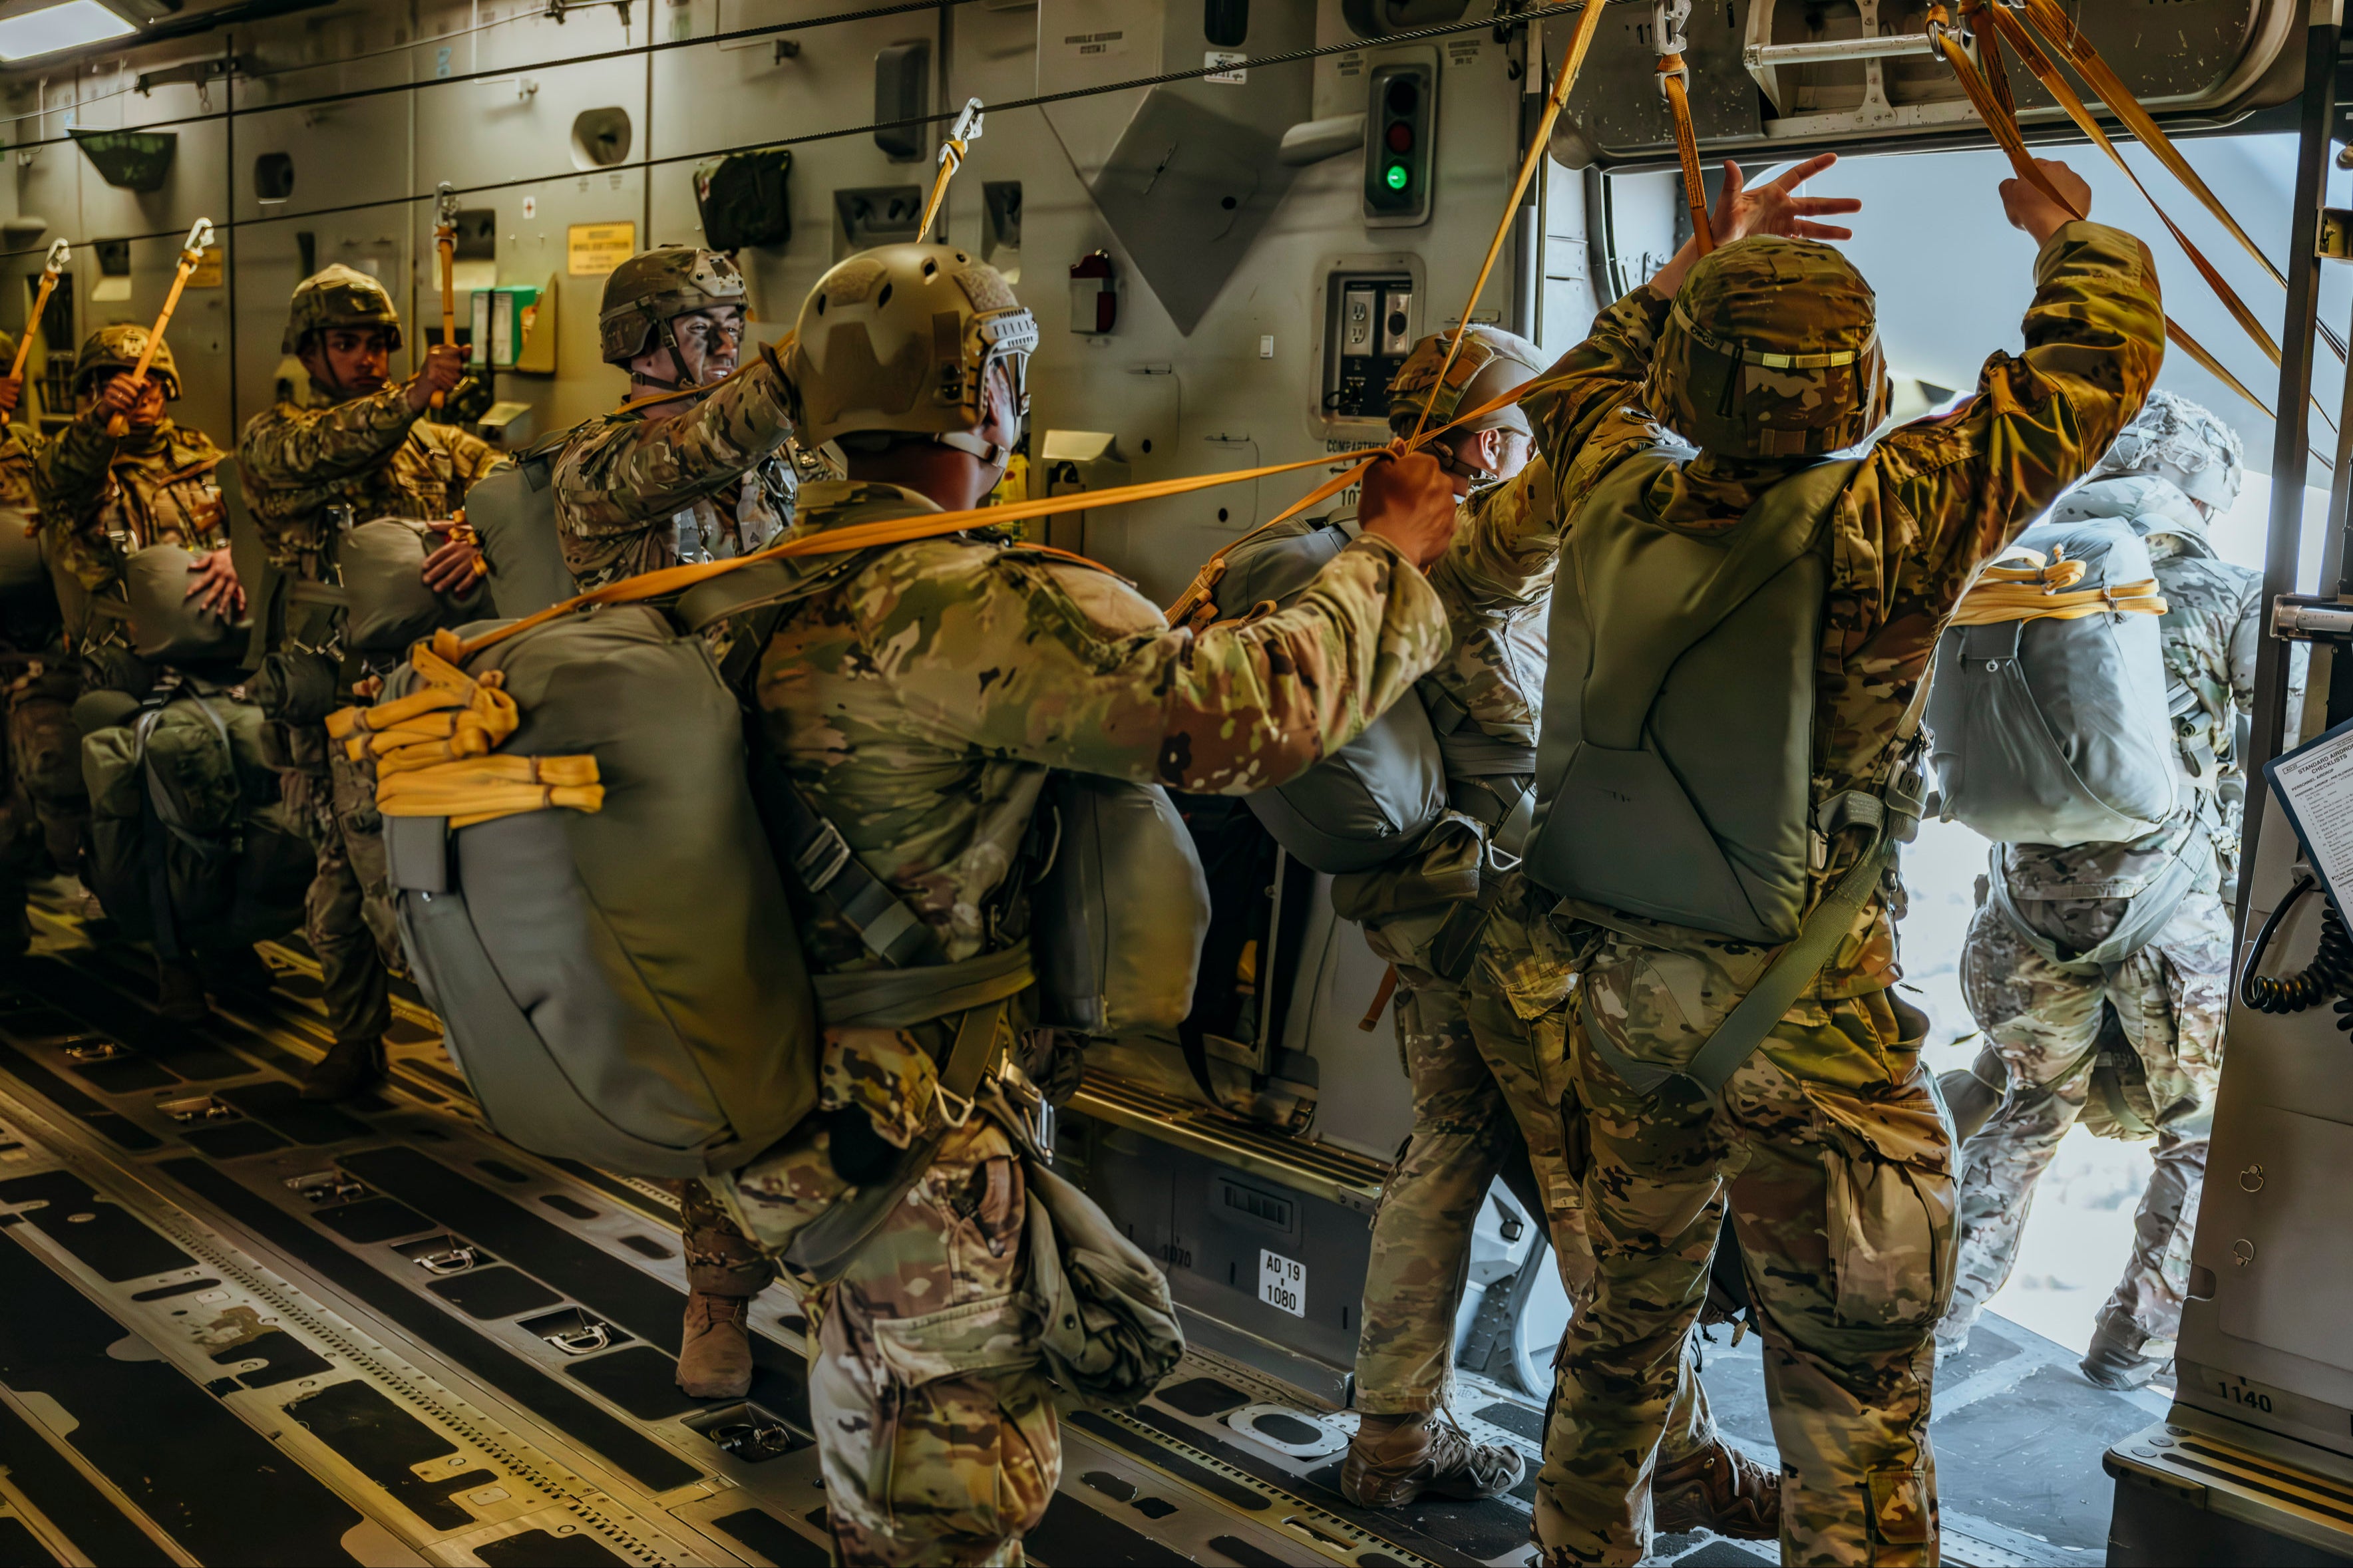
[2038, 990]
[359, 448]
[1478, 993]
[105, 497]
[43, 803]
[698, 475]
[919, 697]
[666, 480]
[1826, 1141]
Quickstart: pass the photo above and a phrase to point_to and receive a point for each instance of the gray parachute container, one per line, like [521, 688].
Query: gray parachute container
[513, 510]
[2052, 731]
[22, 565]
[388, 605]
[166, 625]
[624, 986]
[1371, 800]
[1117, 920]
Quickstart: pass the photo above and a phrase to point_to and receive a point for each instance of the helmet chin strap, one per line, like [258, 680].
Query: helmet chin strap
[990, 454]
[683, 382]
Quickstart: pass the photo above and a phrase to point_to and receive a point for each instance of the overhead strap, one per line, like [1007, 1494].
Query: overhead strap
[1589, 24]
[1674, 85]
[2005, 131]
[2003, 25]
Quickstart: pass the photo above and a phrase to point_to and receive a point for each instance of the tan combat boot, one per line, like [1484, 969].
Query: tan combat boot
[715, 1360]
[1393, 1459]
[1719, 1488]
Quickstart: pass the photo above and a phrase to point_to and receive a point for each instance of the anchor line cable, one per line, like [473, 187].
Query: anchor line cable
[1293, 56]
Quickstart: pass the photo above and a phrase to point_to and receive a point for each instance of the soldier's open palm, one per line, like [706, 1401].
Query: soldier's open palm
[1775, 207]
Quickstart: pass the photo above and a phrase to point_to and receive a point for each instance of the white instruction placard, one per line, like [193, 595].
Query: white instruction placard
[1282, 1283]
[2314, 783]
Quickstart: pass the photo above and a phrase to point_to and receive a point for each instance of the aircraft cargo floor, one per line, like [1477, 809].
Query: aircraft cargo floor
[239, 1329]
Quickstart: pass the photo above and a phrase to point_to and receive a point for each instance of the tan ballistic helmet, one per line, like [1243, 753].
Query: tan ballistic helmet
[643, 293]
[118, 348]
[1771, 350]
[900, 338]
[1491, 362]
[339, 296]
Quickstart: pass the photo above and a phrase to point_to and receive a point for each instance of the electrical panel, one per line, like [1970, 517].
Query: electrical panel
[1400, 119]
[1368, 330]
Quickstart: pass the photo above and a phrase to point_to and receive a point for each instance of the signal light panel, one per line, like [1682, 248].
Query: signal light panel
[1401, 112]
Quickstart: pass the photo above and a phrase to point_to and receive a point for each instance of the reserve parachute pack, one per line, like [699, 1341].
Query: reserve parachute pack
[387, 605]
[1673, 768]
[1370, 800]
[513, 510]
[189, 844]
[592, 908]
[169, 627]
[2049, 705]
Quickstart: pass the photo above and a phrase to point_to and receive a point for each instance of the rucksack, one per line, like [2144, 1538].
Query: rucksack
[742, 198]
[1370, 800]
[623, 986]
[2051, 728]
[513, 510]
[189, 844]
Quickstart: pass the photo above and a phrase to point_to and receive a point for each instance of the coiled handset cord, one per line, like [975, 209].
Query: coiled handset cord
[2329, 974]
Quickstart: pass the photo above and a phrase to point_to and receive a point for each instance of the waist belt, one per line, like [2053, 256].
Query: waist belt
[901, 998]
[2146, 915]
[1893, 815]
[1474, 754]
[302, 591]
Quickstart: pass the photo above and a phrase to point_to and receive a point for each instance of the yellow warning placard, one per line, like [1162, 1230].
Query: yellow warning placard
[593, 250]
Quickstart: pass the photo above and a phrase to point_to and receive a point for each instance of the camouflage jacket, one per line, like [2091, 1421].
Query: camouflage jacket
[371, 454]
[1930, 502]
[20, 448]
[104, 500]
[2211, 629]
[921, 694]
[635, 494]
[30, 620]
[1495, 581]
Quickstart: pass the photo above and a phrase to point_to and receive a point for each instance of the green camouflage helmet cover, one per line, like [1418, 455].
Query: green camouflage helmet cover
[648, 290]
[1771, 350]
[901, 339]
[2184, 442]
[339, 296]
[1491, 362]
[118, 348]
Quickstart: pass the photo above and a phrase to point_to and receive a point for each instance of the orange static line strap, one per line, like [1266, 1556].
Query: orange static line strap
[1589, 22]
[2054, 24]
[2005, 131]
[1380, 1000]
[1671, 75]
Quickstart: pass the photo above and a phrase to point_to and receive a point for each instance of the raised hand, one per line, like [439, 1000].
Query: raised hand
[1409, 500]
[1775, 208]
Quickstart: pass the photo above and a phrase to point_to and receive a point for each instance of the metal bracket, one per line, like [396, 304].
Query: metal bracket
[2312, 617]
[2335, 240]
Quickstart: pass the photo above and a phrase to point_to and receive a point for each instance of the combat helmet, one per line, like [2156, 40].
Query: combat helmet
[1491, 362]
[118, 348]
[644, 294]
[899, 341]
[339, 296]
[2183, 442]
[1771, 349]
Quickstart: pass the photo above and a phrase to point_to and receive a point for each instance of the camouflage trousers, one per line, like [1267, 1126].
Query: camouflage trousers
[721, 1260]
[45, 763]
[2171, 999]
[347, 915]
[1830, 1149]
[936, 1423]
[1485, 1082]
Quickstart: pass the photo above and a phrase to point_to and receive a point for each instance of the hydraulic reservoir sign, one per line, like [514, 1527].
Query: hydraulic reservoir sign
[593, 250]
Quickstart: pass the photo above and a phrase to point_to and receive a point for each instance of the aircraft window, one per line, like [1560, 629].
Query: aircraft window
[273, 176]
[600, 137]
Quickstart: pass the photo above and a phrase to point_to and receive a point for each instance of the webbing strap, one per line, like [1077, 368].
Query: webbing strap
[1674, 78]
[828, 867]
[2004, 127]
[2149, 910]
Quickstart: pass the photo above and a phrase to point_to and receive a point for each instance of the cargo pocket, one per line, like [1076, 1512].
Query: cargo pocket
[1891, 1199]
[978, 1348]
[1900, 1514]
